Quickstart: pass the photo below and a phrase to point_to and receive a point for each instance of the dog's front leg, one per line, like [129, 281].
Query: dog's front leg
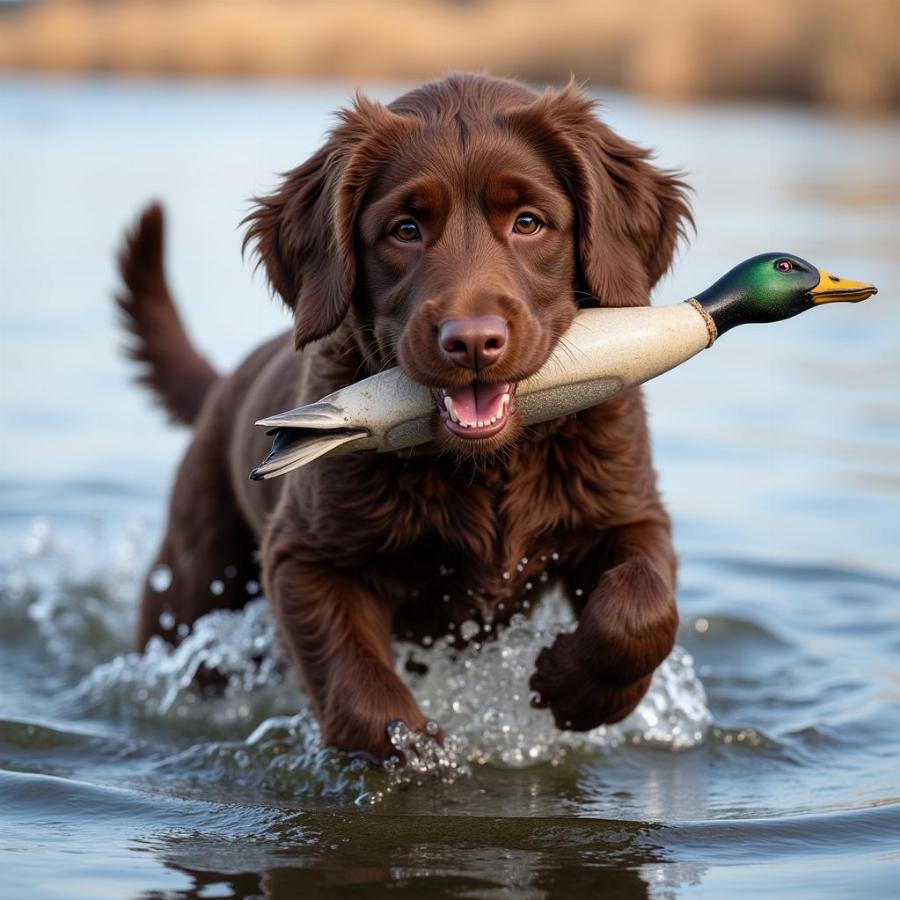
[626, 627]
[339, 635]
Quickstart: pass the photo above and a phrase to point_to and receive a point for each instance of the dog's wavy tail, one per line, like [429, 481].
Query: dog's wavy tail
[178, 376]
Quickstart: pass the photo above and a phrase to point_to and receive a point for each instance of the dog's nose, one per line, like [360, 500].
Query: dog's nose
[473, 343]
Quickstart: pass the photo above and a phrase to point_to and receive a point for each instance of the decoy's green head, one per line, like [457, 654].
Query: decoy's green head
[775, 286]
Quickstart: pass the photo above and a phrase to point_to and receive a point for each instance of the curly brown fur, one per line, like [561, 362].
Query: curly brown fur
[356, 549]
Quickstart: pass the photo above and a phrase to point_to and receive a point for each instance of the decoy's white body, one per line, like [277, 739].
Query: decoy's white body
[604, 352]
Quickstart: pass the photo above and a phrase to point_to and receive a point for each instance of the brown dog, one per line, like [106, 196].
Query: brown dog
[454, 233]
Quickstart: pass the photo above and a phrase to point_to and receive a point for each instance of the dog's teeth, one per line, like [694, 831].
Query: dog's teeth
[448, 403]
[493, 419]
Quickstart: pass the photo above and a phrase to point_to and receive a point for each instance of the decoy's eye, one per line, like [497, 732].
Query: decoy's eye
[784, 265]
[527, 224]
[407, 231]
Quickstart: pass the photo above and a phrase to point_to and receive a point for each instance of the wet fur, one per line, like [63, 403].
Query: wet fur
[355, 549]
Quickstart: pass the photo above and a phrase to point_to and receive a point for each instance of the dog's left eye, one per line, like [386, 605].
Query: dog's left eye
[527, 224]
[407, 231]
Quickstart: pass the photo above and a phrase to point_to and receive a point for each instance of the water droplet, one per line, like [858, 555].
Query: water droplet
[701, 625]
[217, 587]
[468, 630]
[167, 620]
[252, 587]
[160, 578]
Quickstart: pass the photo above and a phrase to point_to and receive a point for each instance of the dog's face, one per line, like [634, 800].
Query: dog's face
[468, 257]
[459, 231]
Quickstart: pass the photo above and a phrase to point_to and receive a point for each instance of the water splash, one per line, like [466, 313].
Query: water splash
[76, 598]
[226, 674]
[227, 678]
[424, 756]
[283, 756]
[481, 695]
[478, 695]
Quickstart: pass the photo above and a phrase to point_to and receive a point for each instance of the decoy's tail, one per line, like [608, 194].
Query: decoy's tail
[175, 372]
[295, 447]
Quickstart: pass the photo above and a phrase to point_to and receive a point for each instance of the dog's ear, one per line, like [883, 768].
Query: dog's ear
[303, 233]
[630, 214]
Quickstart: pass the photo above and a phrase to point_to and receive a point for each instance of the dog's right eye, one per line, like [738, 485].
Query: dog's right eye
[527, 224]
[407, 231]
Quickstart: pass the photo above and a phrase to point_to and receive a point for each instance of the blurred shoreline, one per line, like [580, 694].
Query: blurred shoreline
[832, 53]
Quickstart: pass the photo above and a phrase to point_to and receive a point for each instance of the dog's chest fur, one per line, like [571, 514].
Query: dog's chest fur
[449, 540]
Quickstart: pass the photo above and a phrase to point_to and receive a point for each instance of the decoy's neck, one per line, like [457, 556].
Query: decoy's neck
[729, 302]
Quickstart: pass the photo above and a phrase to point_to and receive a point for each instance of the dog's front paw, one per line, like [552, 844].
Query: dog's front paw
[362, 724]
[579, 698]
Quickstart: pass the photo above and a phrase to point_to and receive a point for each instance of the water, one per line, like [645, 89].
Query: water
[763, 759]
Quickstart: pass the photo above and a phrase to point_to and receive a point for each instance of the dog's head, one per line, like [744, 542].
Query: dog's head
[458, 231]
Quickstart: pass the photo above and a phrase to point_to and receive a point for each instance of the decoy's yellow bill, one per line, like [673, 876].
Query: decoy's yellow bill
[831, 288]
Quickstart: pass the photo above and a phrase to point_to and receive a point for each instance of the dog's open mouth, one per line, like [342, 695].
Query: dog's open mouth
[476, 410]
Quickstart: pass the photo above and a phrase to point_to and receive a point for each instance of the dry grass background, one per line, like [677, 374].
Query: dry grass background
[840, 53]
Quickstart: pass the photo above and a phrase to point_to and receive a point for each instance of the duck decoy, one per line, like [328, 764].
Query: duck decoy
[604, 352]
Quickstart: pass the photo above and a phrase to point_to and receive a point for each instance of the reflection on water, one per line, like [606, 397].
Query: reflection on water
[765, 754]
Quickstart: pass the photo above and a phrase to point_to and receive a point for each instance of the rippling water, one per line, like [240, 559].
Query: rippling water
[764, 757]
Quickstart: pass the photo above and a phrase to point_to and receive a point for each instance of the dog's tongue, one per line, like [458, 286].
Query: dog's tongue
[477, 402]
